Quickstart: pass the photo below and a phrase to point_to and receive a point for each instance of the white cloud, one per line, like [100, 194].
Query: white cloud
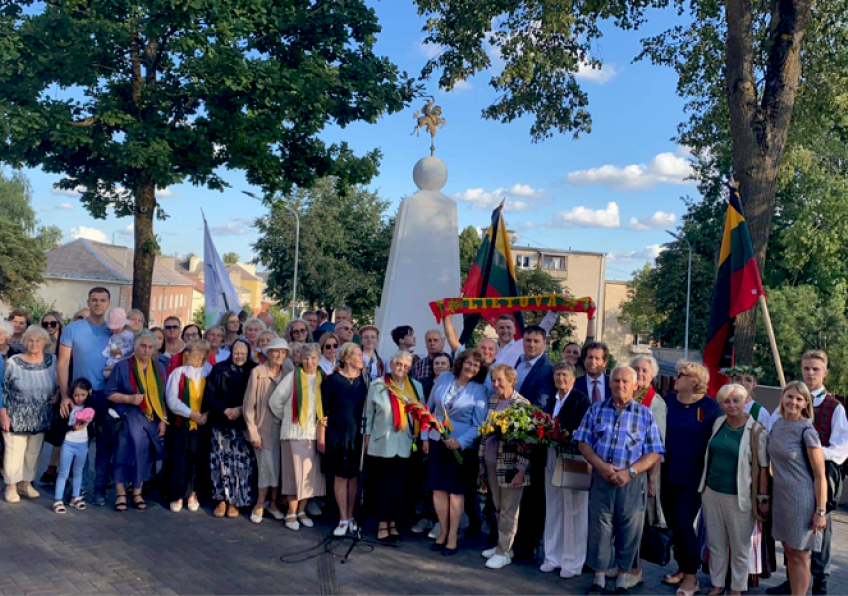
[582, 217]
[65, 207]
[666, 168]
[88, 234]
[165, 193]
[462, 87]
[485, 199]
[127, 231]
[243, 220]
[67, 193]
[649, 253]
[230, 229]
[601, 75]
[429, 50]
[658, 220]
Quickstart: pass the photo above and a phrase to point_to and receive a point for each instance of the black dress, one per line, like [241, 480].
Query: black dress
[343, 400]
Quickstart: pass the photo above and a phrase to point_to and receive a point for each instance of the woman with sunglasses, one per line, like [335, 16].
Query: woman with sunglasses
[54, 326]
[191, 332]
[298, 331]
[329, 343]
[689, 426]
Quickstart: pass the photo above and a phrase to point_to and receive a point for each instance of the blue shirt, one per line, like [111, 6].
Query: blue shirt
[87, 343]
[620, 437]
[688, 429]
[467, 407]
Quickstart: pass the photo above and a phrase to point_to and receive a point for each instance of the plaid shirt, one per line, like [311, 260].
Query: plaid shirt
[512, 455]
[422, 370]
[622, 437]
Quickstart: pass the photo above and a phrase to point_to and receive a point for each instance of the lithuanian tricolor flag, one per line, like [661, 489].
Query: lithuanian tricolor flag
[738, 288]
[492, 274]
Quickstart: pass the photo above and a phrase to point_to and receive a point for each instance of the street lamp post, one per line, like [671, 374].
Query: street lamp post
[296, 247]
[688, 293]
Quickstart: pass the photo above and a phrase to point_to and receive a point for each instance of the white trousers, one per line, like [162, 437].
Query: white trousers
[21, 457]
[566, 524]
[729, 537]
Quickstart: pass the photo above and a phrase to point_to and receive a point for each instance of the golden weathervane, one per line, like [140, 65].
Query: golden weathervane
[429, 118]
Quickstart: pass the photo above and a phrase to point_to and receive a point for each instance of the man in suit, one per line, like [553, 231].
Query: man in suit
[567, 519]
[595, 383]
[536, 384]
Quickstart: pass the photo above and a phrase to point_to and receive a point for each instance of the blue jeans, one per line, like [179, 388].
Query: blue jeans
[75, 454]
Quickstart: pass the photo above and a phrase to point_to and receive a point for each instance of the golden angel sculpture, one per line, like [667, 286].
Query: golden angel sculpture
[429, 118]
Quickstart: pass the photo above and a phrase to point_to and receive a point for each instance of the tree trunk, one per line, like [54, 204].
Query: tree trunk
[145, 247]
[759, 127]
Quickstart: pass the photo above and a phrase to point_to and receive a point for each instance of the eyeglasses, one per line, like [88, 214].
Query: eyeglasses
[49, 324]
[171, 327]
[682, 375]
[298, 331]
[330, 346]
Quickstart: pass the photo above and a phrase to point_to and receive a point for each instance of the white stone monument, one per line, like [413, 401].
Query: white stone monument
[424, 258]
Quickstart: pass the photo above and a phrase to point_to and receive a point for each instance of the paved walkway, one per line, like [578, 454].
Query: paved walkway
[99, 551]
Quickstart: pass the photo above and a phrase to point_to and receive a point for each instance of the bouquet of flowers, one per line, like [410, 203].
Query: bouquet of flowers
[520, 422]
[423, 417]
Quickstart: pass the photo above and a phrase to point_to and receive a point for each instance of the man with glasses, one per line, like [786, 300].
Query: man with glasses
[173, 343]
[345, 332]
[84, 341]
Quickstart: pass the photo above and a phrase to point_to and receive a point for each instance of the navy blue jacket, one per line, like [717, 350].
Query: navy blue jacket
[582, 384]
[538, 386]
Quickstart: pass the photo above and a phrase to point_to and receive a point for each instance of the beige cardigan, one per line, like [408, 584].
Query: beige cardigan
[261, 422]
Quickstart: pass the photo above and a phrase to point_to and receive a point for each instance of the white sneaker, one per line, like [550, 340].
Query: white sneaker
[277, 514]
[547, 567]
[422, 526]
[498, 562]
[434, 533]
[341, 529]
[634, 579]
[489, 552]
[304, 521]
[567, 574]
[313, 509]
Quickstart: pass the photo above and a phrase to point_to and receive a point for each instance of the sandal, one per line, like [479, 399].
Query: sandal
[59, 507]
[682, 592]
[78, 503]
[386, 537]
[139, 503]
[121, 505]
[673, 579]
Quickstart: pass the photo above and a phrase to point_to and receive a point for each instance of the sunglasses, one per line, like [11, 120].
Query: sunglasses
[171, 327]
[49, 324]
[331, 346]
[298, 331]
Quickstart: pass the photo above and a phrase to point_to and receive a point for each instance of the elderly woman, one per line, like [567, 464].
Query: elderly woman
[135, 390]
[462, 402]
[729, 468]
[505, 466]
[329, 344]
[689, 425]
[6, 332]
[799, 485]
[184, 396]
[297, 403]
[369, 335]
[265, 338]
[253, 328]
[29, 391]
[567, 510]
[53, 324]
[231, 460]
[263, 428]
[389, 435]
[571, 353]
[217, 353]
[297, 331]
[343, 400]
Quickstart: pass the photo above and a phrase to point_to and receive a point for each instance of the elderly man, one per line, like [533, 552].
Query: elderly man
[620, 439]
[345, 331]
[267, 318]
[422, 371]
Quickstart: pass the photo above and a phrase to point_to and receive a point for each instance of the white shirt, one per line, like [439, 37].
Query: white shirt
[763, 417]
[560, 402]
[510, 353]
[172, 391]
[76, 436]
[327, 366]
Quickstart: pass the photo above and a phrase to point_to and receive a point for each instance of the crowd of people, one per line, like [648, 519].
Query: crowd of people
[255, 420]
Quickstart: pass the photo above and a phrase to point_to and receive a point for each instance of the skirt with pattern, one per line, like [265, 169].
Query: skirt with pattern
[232, 467]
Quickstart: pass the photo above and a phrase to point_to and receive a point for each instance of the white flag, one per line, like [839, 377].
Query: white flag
[220, 294]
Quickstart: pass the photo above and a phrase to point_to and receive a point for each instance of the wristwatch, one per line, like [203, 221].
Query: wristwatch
[632, 471]
[822, 512]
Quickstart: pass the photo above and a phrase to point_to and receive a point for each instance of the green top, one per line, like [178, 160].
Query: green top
[724, 459]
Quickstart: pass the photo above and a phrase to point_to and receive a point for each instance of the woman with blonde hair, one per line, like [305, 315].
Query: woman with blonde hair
[343, 401]
[799, 489]
[329, 344]
[253, 328]
[53, 323]
[689, 425]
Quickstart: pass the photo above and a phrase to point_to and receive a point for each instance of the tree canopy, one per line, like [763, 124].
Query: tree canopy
[123, 97]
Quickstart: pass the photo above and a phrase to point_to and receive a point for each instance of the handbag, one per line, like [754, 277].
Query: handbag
[572, 471]
[656, 542]
[109, 426]
[55, 435]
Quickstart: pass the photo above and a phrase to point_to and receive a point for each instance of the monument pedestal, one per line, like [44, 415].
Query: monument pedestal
[424, 258]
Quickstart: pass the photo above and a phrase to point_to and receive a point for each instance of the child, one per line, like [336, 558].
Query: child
[75, 448]
[120, 345]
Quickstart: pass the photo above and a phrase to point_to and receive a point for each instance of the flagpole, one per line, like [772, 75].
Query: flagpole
[772, 341]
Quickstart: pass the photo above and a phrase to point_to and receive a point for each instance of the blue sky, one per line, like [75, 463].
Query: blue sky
[614, 190]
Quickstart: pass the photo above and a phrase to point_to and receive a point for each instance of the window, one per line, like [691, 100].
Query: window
[523, 261]
[557, 263]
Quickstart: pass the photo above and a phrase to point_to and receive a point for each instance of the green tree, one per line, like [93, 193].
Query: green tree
[738, 62]
[230, 258]
[537, 281]
[640, 310]
[154, 93]
[23, 243]
[281, 319]
[344, 246]
[198, 317]
[469, 244]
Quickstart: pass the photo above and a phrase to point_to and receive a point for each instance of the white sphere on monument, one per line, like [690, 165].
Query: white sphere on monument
[430, 173]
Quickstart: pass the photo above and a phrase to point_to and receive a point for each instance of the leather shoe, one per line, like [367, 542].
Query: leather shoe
[449, 552]
[782, 589]
[437, 547]
[819, 587]
[595, 589]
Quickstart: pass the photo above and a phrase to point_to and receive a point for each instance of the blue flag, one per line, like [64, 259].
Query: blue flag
[220, 294]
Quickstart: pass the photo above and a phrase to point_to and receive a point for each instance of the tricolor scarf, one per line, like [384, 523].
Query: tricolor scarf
[191, 393]
[150, 383]
[300, 399]
[645, 396]
[399, 402]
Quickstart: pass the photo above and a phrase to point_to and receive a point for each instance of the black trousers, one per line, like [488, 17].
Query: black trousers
[681, 506]
[389, 480]
[183, 446]
[531, 515]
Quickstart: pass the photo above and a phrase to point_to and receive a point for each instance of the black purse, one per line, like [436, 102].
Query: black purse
[109, 427]
[55, 435]
[656, 540]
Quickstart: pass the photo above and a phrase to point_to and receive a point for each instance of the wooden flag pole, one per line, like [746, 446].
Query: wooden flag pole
[772, 341]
